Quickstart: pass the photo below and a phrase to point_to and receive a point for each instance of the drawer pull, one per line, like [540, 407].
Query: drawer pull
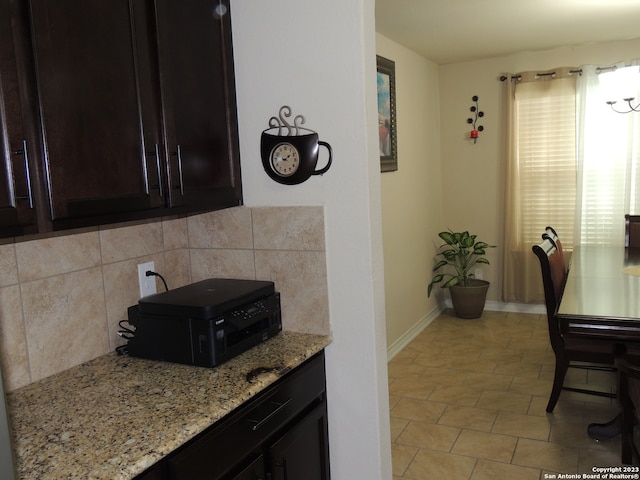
[178, 153]
[158, 186]
[279, 406]
[25, 155]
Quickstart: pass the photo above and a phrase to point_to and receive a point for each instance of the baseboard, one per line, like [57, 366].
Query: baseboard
[397, 346]
[509, 307]
[515, 307]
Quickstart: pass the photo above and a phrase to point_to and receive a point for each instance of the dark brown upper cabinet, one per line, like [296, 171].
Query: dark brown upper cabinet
[136, 109]
[17, 209]
[198, 99]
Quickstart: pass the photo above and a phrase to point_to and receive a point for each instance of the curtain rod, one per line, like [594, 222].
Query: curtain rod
[548, 74]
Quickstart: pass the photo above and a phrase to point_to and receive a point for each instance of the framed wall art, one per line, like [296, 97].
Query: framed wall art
[387, 128]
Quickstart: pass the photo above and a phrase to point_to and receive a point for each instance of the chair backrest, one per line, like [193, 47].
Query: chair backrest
[632, 231]
[550, 232]
[554, 277]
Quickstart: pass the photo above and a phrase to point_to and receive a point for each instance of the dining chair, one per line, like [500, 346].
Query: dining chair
[591, 354]
[629, 399]
[632, 231]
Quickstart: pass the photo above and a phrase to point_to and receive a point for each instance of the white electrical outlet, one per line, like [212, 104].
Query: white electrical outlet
[478, 273]
[147, 284]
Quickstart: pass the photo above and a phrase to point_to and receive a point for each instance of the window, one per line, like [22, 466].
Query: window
[573, 163]
[546, 127]
[541, 175]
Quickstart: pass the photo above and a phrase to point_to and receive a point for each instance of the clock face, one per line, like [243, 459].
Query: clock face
[285, 159]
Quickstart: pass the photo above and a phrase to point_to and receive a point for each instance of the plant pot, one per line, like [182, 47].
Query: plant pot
[468, 302]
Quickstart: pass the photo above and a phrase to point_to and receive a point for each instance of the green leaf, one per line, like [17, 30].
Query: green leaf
[447, 237]
[481, 245]
[483, 260]
[451, 282]
[468, 240]
[450, 254]
[441, 263]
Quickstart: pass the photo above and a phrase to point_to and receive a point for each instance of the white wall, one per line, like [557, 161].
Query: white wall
[473, 174]
[411, 196]
[319, 58]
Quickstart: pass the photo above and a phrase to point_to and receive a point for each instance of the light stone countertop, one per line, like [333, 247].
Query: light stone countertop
[114, 417]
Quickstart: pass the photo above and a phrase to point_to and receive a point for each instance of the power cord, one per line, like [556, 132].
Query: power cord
[150, 273]
[126, 333]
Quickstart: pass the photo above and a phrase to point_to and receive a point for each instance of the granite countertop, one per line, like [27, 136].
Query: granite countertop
[114, 417]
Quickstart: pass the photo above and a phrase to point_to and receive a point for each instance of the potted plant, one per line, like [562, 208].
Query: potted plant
[461, 252]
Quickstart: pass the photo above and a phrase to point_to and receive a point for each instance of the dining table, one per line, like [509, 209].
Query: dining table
[601, 297]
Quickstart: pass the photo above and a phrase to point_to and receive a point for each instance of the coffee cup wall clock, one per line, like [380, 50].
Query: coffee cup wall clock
[290, 152]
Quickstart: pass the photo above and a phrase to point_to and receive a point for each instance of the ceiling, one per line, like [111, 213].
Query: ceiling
[450, 31]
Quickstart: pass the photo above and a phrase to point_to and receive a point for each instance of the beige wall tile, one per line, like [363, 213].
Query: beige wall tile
[131, 241]
[175, 233]
[48, 257]
[65, 321]
[222, 263]
[13, 343]
[8, 265]
[177, 268]
[229, 228]
[301, 279]
[288, 228]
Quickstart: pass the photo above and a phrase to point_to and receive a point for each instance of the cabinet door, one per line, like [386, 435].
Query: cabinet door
[198, 98]
[302, 453]
[255, 471]
[17, 215]
[98, 163]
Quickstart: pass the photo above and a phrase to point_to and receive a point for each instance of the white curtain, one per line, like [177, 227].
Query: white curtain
[608, 162]
[540, 173]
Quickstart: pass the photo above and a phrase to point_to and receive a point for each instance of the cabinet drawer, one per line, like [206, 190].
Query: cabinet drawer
[227, 443]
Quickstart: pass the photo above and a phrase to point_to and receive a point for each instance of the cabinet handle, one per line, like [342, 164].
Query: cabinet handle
[159, 184]
[283, 466]
[259, 423]
[178, 153]
[25, 155]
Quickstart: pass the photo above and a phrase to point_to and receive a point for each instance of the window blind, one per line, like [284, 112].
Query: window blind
[546, 152]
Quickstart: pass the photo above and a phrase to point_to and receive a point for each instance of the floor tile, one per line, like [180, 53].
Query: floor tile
[415, 409]
[468, 417]
[402, 456]
[489, 470]
[397, 427]
[527, 426]
[428, 435]
[456, 395]
[505, 401]
[412, 388]
[468, 402]
[491, 446]
[549, 456]
[430, 465]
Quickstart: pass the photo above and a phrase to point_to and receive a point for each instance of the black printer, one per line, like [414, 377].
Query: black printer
[205, 323]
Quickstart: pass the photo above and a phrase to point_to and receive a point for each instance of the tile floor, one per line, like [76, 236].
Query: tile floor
[468, 401]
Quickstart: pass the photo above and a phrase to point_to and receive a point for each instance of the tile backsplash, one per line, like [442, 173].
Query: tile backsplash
[61, 297]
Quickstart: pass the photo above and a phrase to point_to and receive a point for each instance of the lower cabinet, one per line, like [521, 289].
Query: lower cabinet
[279, 435]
